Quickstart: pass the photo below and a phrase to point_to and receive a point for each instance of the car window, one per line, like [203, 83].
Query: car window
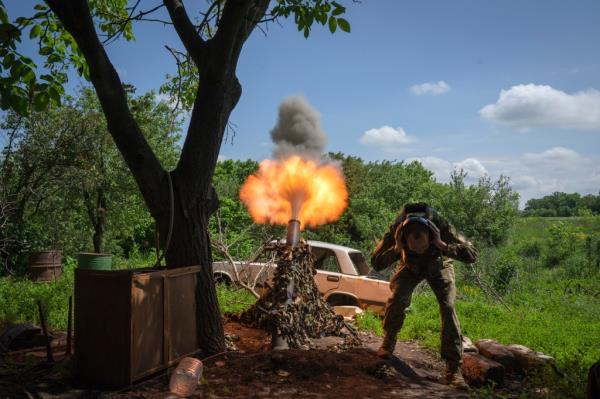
[360, 263]
[325, 259]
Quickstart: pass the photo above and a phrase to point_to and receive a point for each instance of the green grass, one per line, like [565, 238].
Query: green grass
[233, 300]
[535, 227]
[19, 296]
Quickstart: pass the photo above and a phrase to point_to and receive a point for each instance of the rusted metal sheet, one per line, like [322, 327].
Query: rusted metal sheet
[131, 323]
[45, 265]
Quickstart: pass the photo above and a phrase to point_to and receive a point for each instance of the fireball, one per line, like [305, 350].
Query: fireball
[295, 188]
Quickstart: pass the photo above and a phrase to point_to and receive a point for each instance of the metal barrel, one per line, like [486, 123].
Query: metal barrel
[45, 265]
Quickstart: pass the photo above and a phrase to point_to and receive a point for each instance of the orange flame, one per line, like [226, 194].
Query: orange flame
[295, 188]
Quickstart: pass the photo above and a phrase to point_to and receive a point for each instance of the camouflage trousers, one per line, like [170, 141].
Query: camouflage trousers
[440, 277]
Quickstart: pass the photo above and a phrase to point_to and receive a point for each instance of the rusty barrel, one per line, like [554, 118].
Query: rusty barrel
[45, 265]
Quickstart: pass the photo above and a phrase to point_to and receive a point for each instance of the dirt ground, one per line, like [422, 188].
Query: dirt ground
[331, 368]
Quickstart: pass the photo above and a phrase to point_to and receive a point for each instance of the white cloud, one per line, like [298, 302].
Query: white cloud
[387, 138]
[442, 168]
[472, 166]
[532, 174]
[553, 155]
[430, 88]
[535, 106]
[221, 158]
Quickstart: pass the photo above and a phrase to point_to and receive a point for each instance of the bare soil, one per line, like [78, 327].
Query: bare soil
[330, 368]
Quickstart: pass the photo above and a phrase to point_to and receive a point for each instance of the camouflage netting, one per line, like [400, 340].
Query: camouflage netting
[308, 315]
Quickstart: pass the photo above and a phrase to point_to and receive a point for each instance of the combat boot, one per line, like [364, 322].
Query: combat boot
[387, 346]
[453, 376]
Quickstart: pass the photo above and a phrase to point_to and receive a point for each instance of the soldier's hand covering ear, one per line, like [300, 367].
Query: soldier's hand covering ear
[437, 239]
[398, 239]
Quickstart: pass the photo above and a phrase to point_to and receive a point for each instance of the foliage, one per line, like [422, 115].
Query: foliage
[19, 296]
[563, 204]
[68, 182]
[25, 86]
[377, 190]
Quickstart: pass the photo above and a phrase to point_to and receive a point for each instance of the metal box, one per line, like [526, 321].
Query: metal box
[131, 323]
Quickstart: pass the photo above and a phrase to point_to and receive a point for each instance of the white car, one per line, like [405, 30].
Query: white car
[343, 276]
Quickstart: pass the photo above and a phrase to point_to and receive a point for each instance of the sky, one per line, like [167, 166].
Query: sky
[493, 87]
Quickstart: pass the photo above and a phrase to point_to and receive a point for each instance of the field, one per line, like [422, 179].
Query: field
[540, 289]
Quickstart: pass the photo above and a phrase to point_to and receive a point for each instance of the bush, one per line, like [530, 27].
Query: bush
[19, 297]
[504, 270]
[530, 249]
[563, 239]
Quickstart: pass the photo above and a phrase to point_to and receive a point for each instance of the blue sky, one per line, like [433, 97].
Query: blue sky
[493, 87]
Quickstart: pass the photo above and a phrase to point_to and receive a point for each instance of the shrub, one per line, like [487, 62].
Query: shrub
[530, 249]
[562, 241]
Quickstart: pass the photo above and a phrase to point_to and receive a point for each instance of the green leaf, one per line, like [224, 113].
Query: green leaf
[54, 95]
[28, 76]
[19, 104]
[3, 15]
[338, 9]
[35, 31]
[321, 18]
[306, 32]
[308, 20]
[45, 51]
[40, 7]
[332, 24]
[8, 60]
[343, 24]
[40, 101]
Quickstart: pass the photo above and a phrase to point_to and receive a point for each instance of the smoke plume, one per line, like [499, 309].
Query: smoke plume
[298, 131]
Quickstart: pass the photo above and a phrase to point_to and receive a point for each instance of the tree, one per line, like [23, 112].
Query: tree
[563, 205]
[69, 183]
[180, 200]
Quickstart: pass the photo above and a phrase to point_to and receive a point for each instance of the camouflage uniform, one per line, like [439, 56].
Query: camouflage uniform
[433, 266]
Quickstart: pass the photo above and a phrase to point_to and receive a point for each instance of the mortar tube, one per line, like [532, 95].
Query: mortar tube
[292, 239]
[293, 233]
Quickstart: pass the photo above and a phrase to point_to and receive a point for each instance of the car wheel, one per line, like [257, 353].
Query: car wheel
[220, 278]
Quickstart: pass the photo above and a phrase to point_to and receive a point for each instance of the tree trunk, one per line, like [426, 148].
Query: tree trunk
[190, 245]
[99, 221]
[218, 93]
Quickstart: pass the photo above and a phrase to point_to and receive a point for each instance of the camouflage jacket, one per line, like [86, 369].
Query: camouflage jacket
[384, 254]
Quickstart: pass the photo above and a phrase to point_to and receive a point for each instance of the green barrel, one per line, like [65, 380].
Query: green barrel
[94, 261]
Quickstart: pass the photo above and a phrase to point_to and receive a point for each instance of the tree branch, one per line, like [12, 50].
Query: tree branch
[185, 29]
[238, 20]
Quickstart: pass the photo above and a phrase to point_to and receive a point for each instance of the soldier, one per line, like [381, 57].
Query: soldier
[423, 244]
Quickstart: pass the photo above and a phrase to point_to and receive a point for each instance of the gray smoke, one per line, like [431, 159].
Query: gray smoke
[298, 131]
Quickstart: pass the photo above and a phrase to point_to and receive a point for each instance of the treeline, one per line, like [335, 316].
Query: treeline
[64, 185]
[561, 204]
[377, 190]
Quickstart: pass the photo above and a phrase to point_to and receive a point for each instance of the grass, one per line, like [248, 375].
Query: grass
[233, 300]
[19, 296]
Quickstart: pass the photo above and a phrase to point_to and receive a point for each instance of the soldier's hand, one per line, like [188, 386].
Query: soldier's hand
[437, 239]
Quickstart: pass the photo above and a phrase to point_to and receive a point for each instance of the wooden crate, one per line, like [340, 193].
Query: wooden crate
[131, 323]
